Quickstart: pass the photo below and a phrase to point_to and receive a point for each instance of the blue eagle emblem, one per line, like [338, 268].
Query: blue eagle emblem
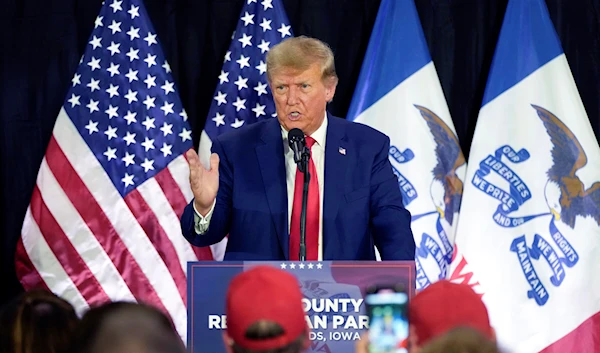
[565, 194]
[446, 188]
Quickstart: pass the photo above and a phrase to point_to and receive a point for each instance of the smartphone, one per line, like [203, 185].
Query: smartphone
[387, 307]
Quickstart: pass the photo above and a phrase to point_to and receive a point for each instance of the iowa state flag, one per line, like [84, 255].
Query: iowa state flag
[530, 217]
[399, 94]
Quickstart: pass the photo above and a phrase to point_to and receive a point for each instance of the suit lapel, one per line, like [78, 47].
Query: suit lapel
[336, 164]
[272, 167]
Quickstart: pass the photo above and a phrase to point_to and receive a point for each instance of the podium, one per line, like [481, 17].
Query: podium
[333, 290]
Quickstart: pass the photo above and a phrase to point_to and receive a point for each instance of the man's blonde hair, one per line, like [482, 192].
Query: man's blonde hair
[300, 53]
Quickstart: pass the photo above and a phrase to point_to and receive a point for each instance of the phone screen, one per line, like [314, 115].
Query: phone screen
[388, 321]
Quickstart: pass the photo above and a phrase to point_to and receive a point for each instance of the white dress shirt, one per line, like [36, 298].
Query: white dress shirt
[318, 155]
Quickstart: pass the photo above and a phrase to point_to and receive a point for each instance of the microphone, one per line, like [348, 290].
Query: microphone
[297, 143]
[301, 156]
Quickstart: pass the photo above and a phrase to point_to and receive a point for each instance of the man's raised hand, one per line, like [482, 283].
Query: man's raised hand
[204, 183]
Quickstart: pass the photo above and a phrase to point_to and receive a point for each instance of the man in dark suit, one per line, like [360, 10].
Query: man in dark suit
[253, 190]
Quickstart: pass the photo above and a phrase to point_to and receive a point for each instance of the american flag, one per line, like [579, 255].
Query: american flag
[103, 222]
[243, 96]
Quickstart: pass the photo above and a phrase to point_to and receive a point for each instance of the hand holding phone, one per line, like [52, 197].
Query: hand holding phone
[388, 319]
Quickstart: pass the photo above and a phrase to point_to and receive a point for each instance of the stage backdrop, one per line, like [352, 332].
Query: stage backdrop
[42, 41]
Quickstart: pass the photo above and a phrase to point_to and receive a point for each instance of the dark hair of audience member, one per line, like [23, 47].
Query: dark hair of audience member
[266, 330]
[122, 327]
[461, 340]
[37, 321]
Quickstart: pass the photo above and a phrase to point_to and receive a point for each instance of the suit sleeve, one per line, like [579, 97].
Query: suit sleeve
[390, 221]
[221, 216]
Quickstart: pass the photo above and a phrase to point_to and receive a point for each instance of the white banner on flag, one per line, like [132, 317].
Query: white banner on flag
[530, 217]
[401, 96]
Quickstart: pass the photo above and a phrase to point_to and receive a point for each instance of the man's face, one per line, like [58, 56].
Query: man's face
[301, 97]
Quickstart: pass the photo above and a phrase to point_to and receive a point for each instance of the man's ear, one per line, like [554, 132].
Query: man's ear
[330, 89]
[228, 342]
[413, 339]
[306, 342]
[362, 345]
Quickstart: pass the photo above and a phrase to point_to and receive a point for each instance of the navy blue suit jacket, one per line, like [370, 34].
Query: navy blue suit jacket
[362, 203]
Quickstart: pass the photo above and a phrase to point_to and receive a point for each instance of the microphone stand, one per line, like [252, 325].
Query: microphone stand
[303, 167]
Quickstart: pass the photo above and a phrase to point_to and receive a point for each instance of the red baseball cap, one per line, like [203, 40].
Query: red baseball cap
[445, 305]
[265, 293]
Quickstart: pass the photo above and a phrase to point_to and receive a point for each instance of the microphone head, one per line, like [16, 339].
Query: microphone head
[297, 143]
[295, 135]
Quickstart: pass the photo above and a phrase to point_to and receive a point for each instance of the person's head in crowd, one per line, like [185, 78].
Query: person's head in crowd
[461, 340]
[302, 77]
[444, 306]
[123, 327]
[37, 321]
[265, 313]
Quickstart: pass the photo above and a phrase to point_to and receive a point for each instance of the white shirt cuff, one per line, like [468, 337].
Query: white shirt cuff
[201, 223]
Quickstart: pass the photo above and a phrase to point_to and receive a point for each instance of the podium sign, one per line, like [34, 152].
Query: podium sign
[333, 290]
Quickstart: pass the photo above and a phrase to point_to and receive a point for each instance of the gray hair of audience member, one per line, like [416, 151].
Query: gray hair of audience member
[300, 53]
[123, 327]
[461, 340]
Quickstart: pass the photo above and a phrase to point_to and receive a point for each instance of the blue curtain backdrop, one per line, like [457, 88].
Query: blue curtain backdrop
[41, 43]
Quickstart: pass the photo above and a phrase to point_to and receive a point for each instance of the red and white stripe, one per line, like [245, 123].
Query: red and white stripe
[89, 245]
